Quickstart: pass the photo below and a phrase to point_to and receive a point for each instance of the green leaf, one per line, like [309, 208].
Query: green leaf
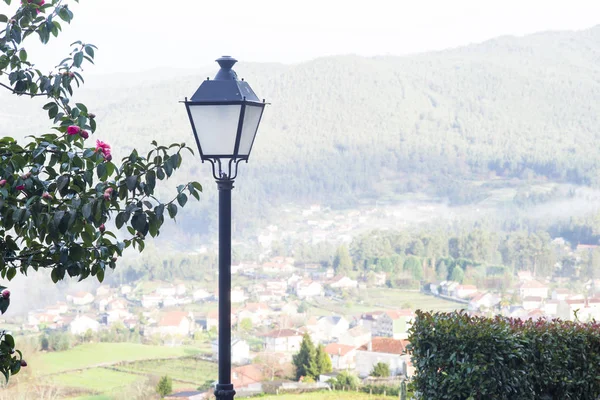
[23, 55]
[54, 275]
[131, 182]
[82, 107]
[139, 223]
[86, 210]
[197, 186]
[101, 171]
[121, 219]
[10, 273]
[172, 208]
[182, 199]
[78, 59]
[3, 18]
[100, 275]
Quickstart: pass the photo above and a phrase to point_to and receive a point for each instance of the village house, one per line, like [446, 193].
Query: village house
[273, 267]
[126, 289]
[532, 302]
[356, 336]
[484, 301]
[283, 340]
[393, 323]
[573, 306]
[240, 351]
[560, 294]
[83, 323]
[238, 295]
[343, 357]
[343, 282]
[255, 312]
[524, 276]
[248, 377]
[165, 291]
[307, 289]
[81, 298]
[464, 291]
[176, 323]
[332, 327]
[180, 289]
[379, 279]
[277, 286]
[57, 309]
[267, 296]
[115, 315]
[102, 290]
[42, 318]
[369, 320]
[448, 288]
[201, 295]
[385, 350]
[151, 301]
[551, 308]
[533, 288]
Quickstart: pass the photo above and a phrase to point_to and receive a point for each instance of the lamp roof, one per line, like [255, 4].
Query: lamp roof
[225, 87]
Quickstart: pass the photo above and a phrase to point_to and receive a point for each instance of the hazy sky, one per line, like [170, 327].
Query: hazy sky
[140, 35]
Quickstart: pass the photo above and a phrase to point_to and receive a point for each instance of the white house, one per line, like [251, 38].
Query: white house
[343, 357]
[180, 289]
[166, 291]
[238, 295]
[560, 294]
[484, 301]
[533, 288]
[305, 289]
[385, 350]
[356, 336]
[464, 291]
[81, 298]
[82, 323]
[57, 309]
[177, 323]
[151, 301]
[343, 282]
[283, 340]
[126, 289]
[532, 302]
[240, 351]
[551, 308]
[200, 295]
[333, 326]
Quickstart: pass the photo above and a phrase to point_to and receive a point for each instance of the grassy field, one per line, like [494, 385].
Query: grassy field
[328, 396]
[186, 369]
[96, 379]
[91, 354]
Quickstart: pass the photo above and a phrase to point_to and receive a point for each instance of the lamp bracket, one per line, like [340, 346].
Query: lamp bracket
[227, 172]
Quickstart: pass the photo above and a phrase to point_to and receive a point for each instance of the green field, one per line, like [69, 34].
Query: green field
[96, 379]
[185, 369]
[328, 396]
[94, 354]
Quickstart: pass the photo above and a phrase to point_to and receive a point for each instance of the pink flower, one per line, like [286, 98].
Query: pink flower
[104, 148]
[20, 187]
[73, 130]
[84, 134]
[6, 293]
[2, 182]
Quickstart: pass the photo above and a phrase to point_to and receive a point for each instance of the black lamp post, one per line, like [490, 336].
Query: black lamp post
[225, 114]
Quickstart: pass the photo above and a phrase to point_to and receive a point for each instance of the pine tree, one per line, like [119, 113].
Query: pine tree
[306, 359]
[323, 361]
[458, 275]
[164, 386]
[342, 263]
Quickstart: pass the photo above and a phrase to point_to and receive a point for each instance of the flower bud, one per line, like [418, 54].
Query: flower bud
[84, 134]
[2, 182]
[101, 228]
[23, 363]
[6, 293]
[47, 196]
[20, 187]
[91, 115]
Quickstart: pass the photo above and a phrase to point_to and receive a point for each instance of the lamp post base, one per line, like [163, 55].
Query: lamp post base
[224, 392]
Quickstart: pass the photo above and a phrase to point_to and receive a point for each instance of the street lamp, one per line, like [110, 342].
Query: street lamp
[225, 114]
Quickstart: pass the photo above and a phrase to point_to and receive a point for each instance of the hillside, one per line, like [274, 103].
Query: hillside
[345, 127]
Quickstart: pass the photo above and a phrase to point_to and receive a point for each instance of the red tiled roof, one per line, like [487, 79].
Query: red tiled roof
[385, 345]
[532, 298]
[338, 349]
[533, 285]
[395, 314]
[246, 375]
[282, 333]
[173, 318]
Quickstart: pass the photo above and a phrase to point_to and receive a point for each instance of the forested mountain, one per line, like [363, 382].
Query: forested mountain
[344, 127]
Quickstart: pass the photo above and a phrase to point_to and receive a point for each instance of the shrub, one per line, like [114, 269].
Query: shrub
[462, 357]
[344, 380]
[381, 370]
[164, 386]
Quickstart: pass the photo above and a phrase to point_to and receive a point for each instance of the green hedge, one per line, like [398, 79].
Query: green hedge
[457, 356]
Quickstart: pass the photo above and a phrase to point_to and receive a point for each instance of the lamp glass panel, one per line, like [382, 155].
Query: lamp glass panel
[249, 129]
[216, 127]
